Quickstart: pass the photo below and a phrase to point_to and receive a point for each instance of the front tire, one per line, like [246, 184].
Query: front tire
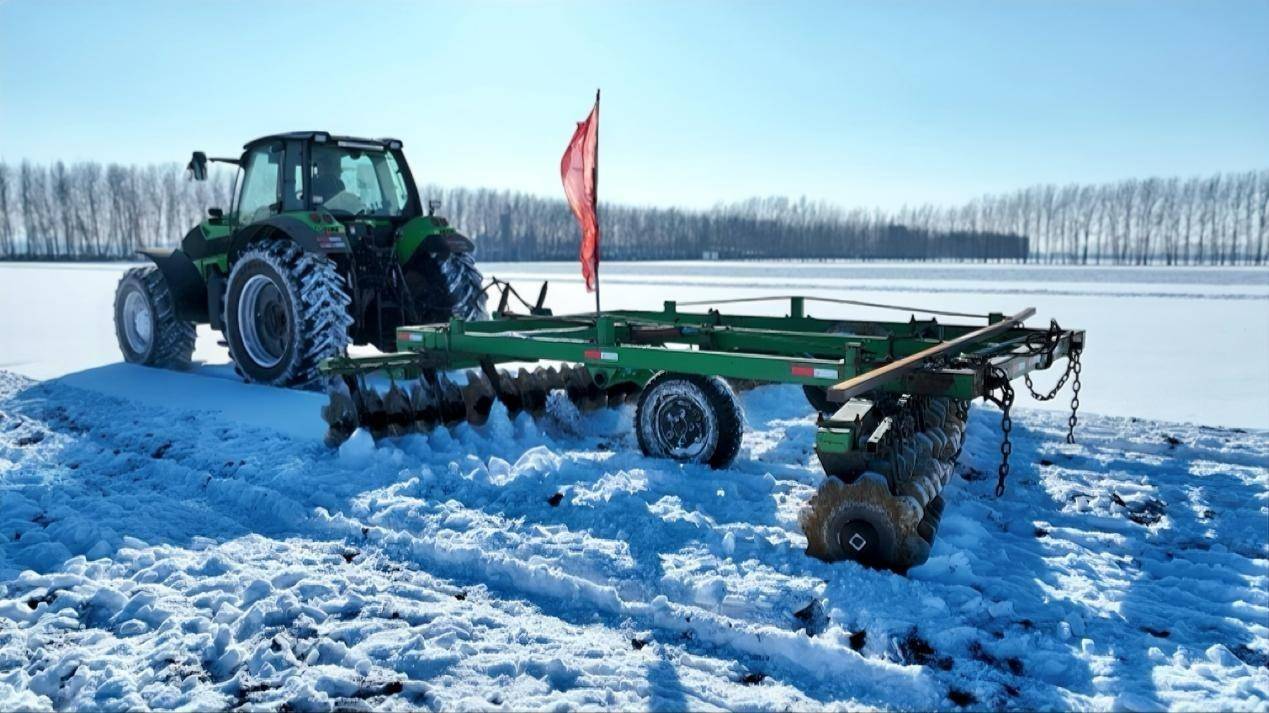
[689, 418]
[146, 324]
[285, 312]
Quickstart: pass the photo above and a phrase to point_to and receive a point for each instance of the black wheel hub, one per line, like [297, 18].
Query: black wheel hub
[680, 423]
[271, 321]
[859, 541]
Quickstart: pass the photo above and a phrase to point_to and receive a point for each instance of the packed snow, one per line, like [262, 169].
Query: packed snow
[184, 540]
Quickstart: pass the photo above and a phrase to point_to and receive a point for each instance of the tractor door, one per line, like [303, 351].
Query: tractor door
[294, 190]
[260, 195]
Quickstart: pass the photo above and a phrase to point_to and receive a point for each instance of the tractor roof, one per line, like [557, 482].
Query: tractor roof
[323, 137]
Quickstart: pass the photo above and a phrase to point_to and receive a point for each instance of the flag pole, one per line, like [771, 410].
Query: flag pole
[595, 183]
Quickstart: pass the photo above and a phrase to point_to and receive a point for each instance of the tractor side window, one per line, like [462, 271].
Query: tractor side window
[398, 195]
[293, 177]
[260, 190]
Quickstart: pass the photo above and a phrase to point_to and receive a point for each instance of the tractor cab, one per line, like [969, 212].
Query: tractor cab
[351, 179]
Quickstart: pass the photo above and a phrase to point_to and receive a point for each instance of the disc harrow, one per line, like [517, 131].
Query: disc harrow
[882, 505]
[435, 400]
[893, 397]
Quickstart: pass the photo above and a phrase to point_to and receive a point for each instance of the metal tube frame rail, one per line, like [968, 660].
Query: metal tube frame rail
[917, 356]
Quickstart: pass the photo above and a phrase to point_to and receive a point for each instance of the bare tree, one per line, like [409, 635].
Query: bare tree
[6, 227]
[84, 210]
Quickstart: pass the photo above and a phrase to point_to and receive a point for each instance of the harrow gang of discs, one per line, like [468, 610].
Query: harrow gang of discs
[434, 400]
[882, 505]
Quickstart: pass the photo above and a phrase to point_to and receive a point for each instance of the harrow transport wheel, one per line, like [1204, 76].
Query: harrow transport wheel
[285, 311]
[146, 325]
[689, 418]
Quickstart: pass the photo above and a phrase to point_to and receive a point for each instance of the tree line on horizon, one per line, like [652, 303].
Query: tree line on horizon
[89, 210]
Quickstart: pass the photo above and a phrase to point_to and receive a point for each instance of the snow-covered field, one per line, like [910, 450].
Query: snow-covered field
[1176, 344]
[184, 540]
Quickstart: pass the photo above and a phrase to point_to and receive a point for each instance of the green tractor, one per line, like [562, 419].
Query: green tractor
[326, 243]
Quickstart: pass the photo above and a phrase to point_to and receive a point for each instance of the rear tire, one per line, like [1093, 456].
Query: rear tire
[431, 298]
[285, 312]
[466, 286]
[689, 418]
[146, 324]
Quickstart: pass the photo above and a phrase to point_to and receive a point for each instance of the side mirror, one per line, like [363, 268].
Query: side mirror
[433, 205]
[198, 166]
[215, 213]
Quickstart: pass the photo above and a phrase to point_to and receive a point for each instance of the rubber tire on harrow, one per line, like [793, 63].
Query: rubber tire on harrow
[707, 401]
[170, 342]
[466, 286]
[314, 309]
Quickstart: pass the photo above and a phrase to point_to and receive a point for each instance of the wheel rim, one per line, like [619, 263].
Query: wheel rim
[263, 322]
[138, 322]
[682, 425]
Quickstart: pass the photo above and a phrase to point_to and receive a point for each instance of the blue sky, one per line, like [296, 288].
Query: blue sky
[856, 103]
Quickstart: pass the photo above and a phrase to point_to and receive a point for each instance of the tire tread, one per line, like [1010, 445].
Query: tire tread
[466, 287]
[173, 337]
[322, 308]
[720, 398]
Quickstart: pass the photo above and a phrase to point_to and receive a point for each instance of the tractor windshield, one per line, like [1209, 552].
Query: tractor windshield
[351, 182]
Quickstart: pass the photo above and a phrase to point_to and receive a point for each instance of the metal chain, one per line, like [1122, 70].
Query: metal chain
[1075, 368]
[999, 380]
[1047, 343]
[1005, 402]
[1053, 392]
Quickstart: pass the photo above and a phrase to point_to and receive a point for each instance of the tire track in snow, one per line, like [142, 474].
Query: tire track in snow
[126, 446]
[245, 491]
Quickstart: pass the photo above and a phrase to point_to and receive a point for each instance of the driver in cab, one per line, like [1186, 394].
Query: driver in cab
[328, 185]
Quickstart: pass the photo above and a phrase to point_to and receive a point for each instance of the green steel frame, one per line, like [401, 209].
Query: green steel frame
[631, 345]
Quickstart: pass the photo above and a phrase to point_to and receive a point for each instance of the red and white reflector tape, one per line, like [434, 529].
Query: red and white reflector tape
[813, 371]
[409, 337]
[600, 355]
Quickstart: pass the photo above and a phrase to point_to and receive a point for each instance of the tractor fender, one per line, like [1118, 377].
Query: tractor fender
[425, 236]
[188, 291]
[440, 245]
[456, 243]
[301, 233]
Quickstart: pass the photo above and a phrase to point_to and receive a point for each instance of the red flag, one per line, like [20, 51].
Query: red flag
[579, 170]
